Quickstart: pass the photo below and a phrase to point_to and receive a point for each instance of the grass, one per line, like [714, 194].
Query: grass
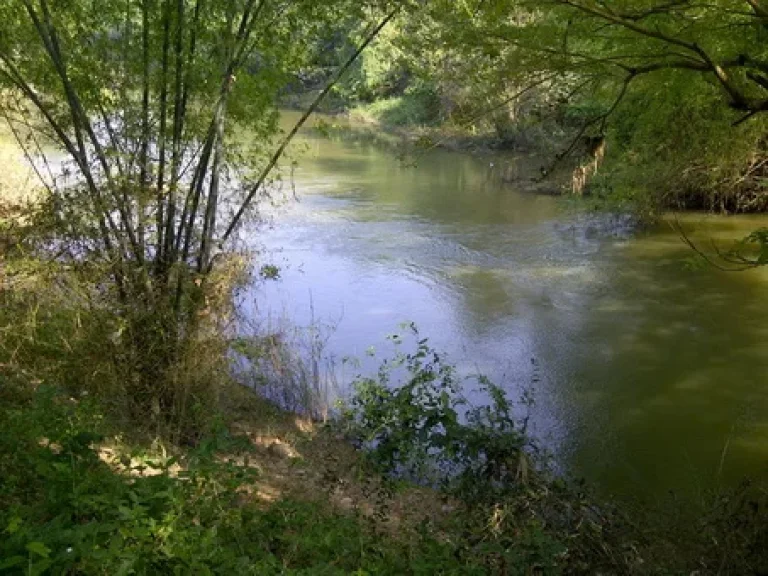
[397, 111]
[74, 505]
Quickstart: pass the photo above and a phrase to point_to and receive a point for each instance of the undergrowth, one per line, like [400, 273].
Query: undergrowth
[67, 510]
[415, 420]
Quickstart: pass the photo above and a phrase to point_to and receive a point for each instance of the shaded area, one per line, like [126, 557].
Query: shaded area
[668, 375]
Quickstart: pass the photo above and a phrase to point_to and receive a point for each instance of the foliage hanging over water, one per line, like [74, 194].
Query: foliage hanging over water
[678, 89]
[132, 115]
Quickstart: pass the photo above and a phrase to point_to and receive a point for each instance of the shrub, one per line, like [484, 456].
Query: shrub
[517, 514]
[425, 427]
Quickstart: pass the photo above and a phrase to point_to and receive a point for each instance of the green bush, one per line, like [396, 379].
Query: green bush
[418, 106]
[69, 510]
[414, 420]
[426, 428]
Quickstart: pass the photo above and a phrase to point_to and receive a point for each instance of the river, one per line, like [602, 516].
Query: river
[648, 373]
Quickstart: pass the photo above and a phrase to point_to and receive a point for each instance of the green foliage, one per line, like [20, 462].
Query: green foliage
[759, 238]
[679, 89]
[63, 497]
[68, 509]
[418, 106]
[414, 420]
[269, 272]
[426, 428]
[383, 71]
[57, 330]
[678, 148]
[136, 110]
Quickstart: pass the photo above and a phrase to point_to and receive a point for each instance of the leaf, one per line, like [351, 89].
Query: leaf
[14, 525]
[39, 549]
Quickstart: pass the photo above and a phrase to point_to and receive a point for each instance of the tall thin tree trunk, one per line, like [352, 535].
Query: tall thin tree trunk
[184, 99]
[209, 223]
[145, 136]
[160, 255]
[178, 127]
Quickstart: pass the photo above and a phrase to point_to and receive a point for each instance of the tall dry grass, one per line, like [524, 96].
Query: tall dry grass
[290, 365]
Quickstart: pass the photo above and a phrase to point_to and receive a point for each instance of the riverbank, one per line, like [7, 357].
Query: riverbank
[78, 495]
[250, 488]
[89, 487]
[265, 491]
[520, 159]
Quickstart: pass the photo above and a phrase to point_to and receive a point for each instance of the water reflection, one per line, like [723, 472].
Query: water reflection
[644, 368]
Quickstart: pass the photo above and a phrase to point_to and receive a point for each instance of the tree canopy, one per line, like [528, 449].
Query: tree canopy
[679, 87]
[133, 114]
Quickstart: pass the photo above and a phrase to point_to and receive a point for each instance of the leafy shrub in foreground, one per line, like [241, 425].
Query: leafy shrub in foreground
[67, 510]
[414, 420]
[426, 429]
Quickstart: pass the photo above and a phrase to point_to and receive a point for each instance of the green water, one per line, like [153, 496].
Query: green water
[649, 375]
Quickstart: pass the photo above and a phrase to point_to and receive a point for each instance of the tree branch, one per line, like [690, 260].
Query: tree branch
[255, 188]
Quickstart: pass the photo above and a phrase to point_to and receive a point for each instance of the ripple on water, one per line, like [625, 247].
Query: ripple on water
[644, 367]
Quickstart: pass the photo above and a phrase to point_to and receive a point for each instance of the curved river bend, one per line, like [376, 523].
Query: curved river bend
[649, 374]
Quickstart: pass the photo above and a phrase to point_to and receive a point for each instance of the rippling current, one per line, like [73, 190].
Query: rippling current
[649, 374]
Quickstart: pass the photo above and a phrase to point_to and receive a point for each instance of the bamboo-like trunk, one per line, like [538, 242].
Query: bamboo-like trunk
[179, 235]
[160, 264]
[145, 136]
[170, 228]
[209, 222]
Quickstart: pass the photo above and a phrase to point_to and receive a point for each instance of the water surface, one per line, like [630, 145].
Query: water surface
[649, 374]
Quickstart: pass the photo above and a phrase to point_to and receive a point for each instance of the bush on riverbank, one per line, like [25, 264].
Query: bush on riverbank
[516, 511]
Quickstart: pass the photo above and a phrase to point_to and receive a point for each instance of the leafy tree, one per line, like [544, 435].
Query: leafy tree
[623, 41]
[133, 113]
[679, 87]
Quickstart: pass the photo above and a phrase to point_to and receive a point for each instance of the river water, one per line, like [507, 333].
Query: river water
[649, 374]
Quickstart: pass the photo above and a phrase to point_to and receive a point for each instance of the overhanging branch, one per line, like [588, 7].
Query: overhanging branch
[256, 187]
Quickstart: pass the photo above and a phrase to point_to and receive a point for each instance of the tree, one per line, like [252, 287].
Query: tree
[148, 101]
[724, 41]
[678, 79]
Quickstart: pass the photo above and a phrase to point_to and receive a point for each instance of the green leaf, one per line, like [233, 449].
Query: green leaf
[39, 549]
[14, 525]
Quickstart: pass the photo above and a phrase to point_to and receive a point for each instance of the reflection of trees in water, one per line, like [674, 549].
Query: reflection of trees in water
[646, 364]
[659, 372]
[443, 187]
